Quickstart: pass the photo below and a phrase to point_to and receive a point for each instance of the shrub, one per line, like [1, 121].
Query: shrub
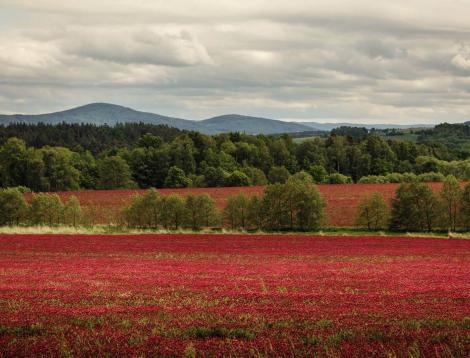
[337, 178]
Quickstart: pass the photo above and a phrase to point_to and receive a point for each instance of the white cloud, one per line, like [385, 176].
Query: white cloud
[354, 60]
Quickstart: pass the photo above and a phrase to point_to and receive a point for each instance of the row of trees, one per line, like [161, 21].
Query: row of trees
[43, 209]
[170, 158]
[416, 207]
[294, 205]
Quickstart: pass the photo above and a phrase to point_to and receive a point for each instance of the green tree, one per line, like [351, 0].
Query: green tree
[237, 178]
[278, 175]
[59, 172]
[275, 212]
[149, 140]
[72, 211]
[13, 162]
[255, 212]
[174, 211]
[46, 209]
[255, 176]
[13, 207]
[150, 165]
[200, 211]
[414, 208]
[303, 202]
[145, 211]
[176, 178]
[114, 173]
[319, 174]
[236, 211]
[207, 209]
[373, 212]
[465, 207]
[214, 177]
[450, 196]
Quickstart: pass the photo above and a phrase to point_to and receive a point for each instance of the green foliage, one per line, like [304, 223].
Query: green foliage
[414, 208]
[152, 211]
[176, 178]
[278, 174]
[236, 211]
[174, 212]
[214, 177]
[373, 212]
[319, 174]
[13, 208]
[114, 173]
[255, 176]
[237, 178]
[200, 211]
[296, 204]
[219, 332]
[450, 196]
[90, 157]
[353, 132]
[46, 209]
[465, 207]
[337, 178]
[72, 211]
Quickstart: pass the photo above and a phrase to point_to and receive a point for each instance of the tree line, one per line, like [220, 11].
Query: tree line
[146, 156]
[416, 207]
[43, 209]
[295, 205]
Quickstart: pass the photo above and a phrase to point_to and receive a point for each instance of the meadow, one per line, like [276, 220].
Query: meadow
[205, 295]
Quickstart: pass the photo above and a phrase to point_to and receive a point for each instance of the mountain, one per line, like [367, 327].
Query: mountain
[111, 114]
[104, 113]
[99, 113]
[251, 125]
[330, 126]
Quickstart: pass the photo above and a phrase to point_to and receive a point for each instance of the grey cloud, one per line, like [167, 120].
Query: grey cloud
[137, 46]
[365, 60]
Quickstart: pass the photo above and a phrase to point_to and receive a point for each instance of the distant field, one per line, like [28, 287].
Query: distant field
[341, 199]
[233, 296]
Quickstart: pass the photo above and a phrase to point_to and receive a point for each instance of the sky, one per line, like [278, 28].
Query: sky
[360, 61]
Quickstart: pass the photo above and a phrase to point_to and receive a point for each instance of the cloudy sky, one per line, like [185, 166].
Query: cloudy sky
[359, 61]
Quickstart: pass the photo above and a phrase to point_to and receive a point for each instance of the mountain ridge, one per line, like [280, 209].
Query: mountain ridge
[101, 113]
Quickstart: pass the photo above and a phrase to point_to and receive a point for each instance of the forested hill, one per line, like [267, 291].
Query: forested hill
[455, 137]
[110, 114]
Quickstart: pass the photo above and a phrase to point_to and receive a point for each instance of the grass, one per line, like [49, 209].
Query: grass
[219, 332]
[119, 230]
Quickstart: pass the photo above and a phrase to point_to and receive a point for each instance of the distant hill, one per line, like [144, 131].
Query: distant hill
[252, 125]
[330, 126]
[99, 113]
[105, 113]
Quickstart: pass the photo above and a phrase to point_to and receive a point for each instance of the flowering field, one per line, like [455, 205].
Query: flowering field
[341, 200]
[233, 295]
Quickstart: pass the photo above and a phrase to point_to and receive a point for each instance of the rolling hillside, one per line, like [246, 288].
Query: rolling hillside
[104, 113]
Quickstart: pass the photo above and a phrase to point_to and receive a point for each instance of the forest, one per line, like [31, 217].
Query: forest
[83, 156]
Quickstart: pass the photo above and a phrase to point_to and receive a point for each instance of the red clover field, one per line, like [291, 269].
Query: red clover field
[198, 295]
